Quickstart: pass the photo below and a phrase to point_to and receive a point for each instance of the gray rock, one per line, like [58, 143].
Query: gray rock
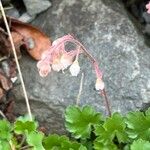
[146, 17]
[106, 31]
[36, 6]
[13, 12]
[6, 2]
[147, 29]
[25, 17]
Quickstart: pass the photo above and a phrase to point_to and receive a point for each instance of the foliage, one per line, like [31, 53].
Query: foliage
[89, 130]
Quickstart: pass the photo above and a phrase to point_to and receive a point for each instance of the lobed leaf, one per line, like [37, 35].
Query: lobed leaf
[113, 127]
[138, 125]
[4, 145]
[35, 139]
[56, 142]
[5, 130]
[99, 145]
[24, 125]
[80, 121]
[140, 145]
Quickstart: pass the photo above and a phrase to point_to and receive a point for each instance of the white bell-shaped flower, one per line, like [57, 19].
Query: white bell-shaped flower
[75, 68]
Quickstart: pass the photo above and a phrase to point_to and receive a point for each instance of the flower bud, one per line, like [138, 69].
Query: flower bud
[99, 85]
[75, 68]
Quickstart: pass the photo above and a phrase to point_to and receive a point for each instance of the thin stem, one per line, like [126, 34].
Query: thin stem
[2, 114]
[26, 147]
[86, 52]
[23, 140]
[11, 145]
[106, 102]
[16, 59]
[94, 61]
[80, 90]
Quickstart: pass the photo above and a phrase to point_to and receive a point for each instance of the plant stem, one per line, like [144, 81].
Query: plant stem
[11, 145]
[94, 61]
[26, 147]
[107, 105]
[80, 90]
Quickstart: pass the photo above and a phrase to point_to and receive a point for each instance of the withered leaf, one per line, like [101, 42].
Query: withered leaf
[1, 94]
[4, 44]
[35, 41]
[9, 110]
[23, 34]
[6, 84]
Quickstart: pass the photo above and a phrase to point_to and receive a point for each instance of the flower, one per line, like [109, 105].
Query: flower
[75, 68]
[56, 65]
[148, 7]
[44, 68]
[66, 60]
[99, 85]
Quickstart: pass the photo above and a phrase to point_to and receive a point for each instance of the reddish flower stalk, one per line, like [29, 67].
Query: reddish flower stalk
[59, 58]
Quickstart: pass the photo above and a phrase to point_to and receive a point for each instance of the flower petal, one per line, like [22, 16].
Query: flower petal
[75, 68]
[44, 68]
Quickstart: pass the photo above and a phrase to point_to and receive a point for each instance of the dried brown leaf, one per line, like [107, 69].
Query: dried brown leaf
[1, 94]
[6, 84]
[36, 41]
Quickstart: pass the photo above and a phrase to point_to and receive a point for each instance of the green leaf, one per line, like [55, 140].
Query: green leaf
[56, 142]
[79, 121]
[4, 145]
[99, 145]
[140, 145]
[24, 118]
[5, 130]
[24, 125]
[114, 126]
[138, 125]
[35, 139]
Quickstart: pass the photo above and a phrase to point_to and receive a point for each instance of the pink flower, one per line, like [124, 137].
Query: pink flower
[44, 68]
[148, 8]
[66, 60]
[56, 65]
[57, 56]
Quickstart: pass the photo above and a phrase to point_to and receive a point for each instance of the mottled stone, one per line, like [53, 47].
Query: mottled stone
[6, 2]
[12, 12]
[36, 6]
[25, 17]
[104, 28]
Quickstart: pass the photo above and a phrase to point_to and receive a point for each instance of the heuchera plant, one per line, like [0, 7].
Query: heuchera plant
[60, 56]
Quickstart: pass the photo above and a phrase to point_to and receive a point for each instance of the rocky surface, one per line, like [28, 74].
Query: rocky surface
[138, 9]
[36, 6]
[25, 10]
[106, 31]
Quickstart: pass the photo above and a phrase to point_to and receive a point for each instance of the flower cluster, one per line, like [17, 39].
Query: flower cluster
[148, 8]
[58, 57]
